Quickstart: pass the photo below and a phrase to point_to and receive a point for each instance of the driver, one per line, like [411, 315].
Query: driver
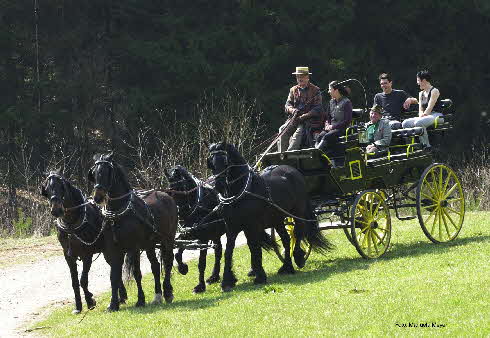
[304, 106]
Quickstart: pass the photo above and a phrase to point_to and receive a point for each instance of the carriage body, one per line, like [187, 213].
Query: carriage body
[403, 178]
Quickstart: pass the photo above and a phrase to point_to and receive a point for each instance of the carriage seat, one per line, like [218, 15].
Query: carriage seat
[407, 132]
[357, 113]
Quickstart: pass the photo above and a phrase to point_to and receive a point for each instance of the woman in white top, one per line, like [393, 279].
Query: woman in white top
[429, 106]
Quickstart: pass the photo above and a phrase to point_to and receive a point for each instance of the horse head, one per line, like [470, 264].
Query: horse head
[55, 187]
[104, 174]
[222, 158]
[180, 179]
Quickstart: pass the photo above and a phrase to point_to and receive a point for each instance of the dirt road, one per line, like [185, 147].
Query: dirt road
[28, 288]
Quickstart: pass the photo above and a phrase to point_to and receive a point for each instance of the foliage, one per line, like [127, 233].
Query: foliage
[338, 295]
[22, 225]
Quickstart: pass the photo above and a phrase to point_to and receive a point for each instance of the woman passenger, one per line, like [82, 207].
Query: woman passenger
[339, 116]
[429, 106]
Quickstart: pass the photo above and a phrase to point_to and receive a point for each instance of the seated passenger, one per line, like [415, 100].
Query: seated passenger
[393, 101]
[339, 116]
[429, 106]
[378, 130]
[304, 107]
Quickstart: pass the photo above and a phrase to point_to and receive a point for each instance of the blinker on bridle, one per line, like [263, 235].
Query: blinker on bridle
[98, 185]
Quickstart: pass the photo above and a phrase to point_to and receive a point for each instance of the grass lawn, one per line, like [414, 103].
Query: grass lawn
[415, 283]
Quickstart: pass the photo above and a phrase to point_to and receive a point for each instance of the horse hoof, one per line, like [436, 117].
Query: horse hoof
[112, 308]
[199, 288]
[226, 288]
[183, 269]
[169, 299]
[140, 303]
[158, 299]
[299, 259]
[76, 312]
[213, 279]
[122, 300]
[286, 270]
[261, 280]
[251, 273]
[91, 303]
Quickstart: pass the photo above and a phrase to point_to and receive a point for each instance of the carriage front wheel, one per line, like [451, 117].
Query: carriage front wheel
[370, 224]
[279, 249]
[440, 203]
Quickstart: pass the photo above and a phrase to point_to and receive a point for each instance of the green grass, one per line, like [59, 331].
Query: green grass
[342, 294]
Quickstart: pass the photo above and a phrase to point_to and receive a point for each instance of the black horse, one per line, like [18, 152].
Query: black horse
[80, 233]
[195, 201]
[253, 202]
[135, 223]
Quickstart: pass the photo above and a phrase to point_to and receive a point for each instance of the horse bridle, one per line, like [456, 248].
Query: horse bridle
[98, 185]
[53, 197]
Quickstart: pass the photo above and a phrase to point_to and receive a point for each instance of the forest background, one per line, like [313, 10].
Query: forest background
[152, 79]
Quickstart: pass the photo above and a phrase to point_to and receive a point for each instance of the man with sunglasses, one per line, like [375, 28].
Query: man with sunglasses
[304, 107]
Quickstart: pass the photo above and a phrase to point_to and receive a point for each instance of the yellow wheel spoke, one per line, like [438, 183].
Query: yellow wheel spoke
[429, 185]
[440, 178]
[373, 239]
[450, 191]
[432, 198]
[375, 212]
[381, 240]
[450, 219]
[429, 206]
[440, 225]
[362, 222]
[445, 225]
[432, 213]
[454, 200]
[447, 181]
[453, 210]
[436, 215]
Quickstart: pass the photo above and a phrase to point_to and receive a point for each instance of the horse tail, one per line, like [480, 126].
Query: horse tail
[128, 266]
[313, 234]
[267, 243]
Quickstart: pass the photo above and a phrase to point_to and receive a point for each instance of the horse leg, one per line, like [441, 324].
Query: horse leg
[155, 269]
[136, 259]
[287, 267]
[116, 262]
[181, 266]
[229, 279]
[201, 287]
[72, 264]
[218, 252]
[87, 263]
[123, 295]
[167, 257]
[251, 272]
[256, 257]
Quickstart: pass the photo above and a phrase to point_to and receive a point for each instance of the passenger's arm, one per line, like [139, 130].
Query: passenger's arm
[432, 102]
[421, 111]
[386, 135]
[409, 101]
[316, 107]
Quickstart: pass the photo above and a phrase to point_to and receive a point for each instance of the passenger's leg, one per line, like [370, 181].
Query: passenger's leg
[409, 123]
[424, 122]
[295, 142]
[394, 125]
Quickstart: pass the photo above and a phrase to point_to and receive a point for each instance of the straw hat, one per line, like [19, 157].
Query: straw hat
[302, 71]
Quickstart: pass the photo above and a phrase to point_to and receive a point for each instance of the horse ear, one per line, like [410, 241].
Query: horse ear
[90, 175]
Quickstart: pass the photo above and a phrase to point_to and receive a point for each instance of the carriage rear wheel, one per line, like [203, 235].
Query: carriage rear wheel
[440, 203]
[370, 224]
[279, 249]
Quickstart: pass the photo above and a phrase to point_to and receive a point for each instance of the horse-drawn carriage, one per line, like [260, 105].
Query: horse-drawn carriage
[362, 192]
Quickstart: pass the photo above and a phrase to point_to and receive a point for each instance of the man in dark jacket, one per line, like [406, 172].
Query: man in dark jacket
[304, 107]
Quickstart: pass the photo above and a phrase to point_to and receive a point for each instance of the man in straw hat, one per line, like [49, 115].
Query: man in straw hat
[304, 106]
[378, 130]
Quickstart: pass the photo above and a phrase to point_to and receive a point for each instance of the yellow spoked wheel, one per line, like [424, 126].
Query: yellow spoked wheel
[370, 224]
[279, 249]
[440, 203]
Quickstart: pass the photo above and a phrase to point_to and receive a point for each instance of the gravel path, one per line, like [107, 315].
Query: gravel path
[26, 289]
